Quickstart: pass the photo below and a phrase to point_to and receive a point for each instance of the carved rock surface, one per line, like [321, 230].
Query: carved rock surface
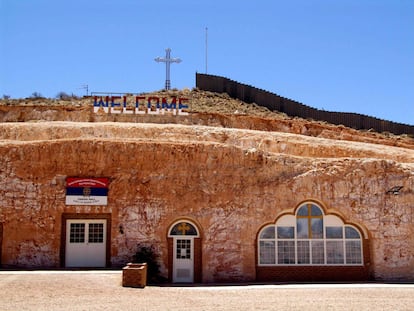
[230, 181]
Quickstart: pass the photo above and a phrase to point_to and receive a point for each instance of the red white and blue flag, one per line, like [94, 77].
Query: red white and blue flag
[87, 191]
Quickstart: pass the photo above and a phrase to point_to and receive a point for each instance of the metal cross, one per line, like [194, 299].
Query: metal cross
[167, 60]
[183, 227]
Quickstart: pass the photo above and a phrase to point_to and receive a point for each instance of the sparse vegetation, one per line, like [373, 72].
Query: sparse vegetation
[63, 96]
[146, 254]
[222, 107]
[36, 95]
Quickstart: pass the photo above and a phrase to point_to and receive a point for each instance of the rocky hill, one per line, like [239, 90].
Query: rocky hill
[207, 108]
[231, 166]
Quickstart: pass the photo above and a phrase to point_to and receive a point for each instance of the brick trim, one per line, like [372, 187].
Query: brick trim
[312, 273]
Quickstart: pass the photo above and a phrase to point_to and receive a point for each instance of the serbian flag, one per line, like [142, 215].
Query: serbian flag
[86, 191]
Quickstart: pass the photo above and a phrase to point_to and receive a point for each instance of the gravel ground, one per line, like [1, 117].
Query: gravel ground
[102, 290]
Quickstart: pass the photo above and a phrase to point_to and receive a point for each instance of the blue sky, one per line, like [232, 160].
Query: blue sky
[337, 55]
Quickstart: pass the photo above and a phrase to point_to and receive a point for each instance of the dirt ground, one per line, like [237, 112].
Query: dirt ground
[102, 290]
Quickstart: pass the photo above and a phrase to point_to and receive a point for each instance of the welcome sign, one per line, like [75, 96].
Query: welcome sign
[86, 191]
[141, 105]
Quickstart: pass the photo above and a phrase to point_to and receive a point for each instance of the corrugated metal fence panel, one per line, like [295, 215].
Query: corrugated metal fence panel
[250, 94]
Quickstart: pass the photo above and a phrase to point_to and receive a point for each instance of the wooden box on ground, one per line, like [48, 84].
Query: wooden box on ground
[134, 275]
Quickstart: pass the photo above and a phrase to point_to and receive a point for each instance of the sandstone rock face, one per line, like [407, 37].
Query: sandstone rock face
[231, 182]
[211, 109]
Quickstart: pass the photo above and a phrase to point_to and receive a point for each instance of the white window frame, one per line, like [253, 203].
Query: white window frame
[328, 221]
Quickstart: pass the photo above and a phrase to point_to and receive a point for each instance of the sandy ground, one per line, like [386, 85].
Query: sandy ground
[102, 290]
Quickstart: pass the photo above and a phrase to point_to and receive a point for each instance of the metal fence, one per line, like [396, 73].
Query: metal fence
[250, 94]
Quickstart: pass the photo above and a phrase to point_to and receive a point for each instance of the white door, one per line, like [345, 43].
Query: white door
[183, 263]
[85, 243]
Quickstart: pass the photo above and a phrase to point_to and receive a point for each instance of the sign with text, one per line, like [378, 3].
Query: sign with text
[141, 105]
[86, 191]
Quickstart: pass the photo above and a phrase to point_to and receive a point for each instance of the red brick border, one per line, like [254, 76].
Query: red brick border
[312, 274]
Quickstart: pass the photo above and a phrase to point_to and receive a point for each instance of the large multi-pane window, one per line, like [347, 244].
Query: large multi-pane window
[310, 238]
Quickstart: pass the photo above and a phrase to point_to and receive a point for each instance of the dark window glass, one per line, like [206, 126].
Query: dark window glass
[267, 252]
[303, 252]
[77, 233]
[303, 211]
[285, 232]
[353, 252]
[351, 233]
[183, 249]
[96, 233]
[316, 211]
[302, 228]
[334, 232]
[268, 233]
[317, 228]
[318, 254]
[335, 252]
[285, 252]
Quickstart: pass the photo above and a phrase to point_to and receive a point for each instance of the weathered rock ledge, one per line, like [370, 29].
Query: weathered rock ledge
[248, 140]
[210, 109]
[230, 181]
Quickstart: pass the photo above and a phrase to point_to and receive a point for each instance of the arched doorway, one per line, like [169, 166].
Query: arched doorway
[184, 252]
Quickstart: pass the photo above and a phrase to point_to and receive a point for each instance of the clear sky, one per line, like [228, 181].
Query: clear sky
[336, 55]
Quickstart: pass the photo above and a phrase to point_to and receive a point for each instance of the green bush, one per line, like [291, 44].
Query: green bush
[147, 254]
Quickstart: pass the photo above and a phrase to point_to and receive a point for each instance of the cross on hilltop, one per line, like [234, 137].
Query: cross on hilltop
[167, 60]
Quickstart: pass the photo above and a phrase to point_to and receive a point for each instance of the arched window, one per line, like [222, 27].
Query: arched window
[310, 238]
[183, 228]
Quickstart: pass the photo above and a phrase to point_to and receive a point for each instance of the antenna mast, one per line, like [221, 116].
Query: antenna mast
[206, 48]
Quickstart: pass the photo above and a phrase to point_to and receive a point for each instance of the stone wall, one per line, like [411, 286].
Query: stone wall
[231, 182]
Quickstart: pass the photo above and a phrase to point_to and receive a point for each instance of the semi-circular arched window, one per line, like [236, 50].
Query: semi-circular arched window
[183, 228]
[309, 237]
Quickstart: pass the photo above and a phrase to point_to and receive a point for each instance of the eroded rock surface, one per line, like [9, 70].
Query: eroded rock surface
[230, 181]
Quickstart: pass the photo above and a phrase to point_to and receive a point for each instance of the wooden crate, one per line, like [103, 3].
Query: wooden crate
[134, 275]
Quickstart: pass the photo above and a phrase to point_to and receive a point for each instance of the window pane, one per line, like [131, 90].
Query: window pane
[353, 252]
[285, 232]
[96, 233]
[351, 233]
[268, 233]
[267, 252]
[317, 228]
[303, 252]
[316, 211]
[318, 255]
[285, 252]
[334, 232]
[77, 233]
[303, 211]
[334, 252]
[302, 228]
[183, 249]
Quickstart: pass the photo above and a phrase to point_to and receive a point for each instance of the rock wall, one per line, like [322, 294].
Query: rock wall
[210, 109]
[230, 181]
